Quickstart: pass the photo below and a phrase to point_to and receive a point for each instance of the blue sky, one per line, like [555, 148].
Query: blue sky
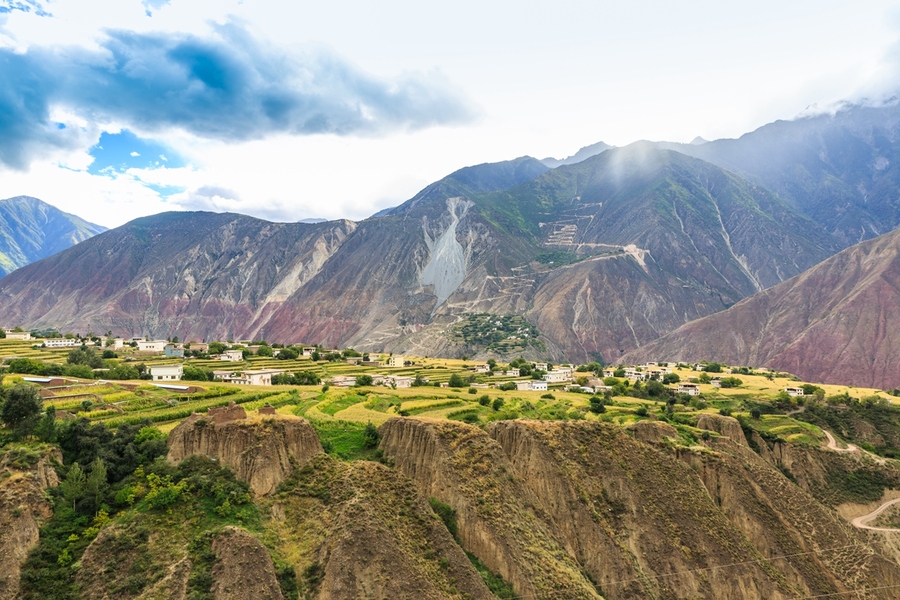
[295, 110]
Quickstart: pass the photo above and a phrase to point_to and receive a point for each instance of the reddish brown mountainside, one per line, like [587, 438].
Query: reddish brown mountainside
[837, 322]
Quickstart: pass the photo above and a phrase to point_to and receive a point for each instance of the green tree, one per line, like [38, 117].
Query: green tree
[96, 483]
[669, 378]
[291, 354]
[85, 356]
[730, 382]
[21, 409]
[265, 351]
[46, 428]
[72, 487]
[497, 404]
[217, 347]
[362, 380]
[457, 381]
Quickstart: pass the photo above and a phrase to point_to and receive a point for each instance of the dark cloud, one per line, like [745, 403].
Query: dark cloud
[227, 87]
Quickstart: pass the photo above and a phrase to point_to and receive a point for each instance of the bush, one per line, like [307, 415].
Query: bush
[497, 404]
[371, 437]
[446, 513]
[730, 382]
[457, 381]
[484, 400]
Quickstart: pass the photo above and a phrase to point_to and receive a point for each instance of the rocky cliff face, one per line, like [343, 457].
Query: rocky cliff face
[243, 568]
[24, 476]
[463, 467]
[361, 530]
[640, 519]
[839, 322]
[262, 452]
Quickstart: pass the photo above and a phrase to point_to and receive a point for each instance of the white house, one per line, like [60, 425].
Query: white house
[482, 368]
[307, 351]
[634, 375]
[397, 360]
[117, 344]
[261, 376]
[166, 372]
[523, 385]
[691, 389]
[61, 343]
[152, 345]
[512, 373]
[557, 376]
[541, 367]
[17, 335]
[343, 380]
[398, 381]
[538, 386]
[794, 391]
[232, 356]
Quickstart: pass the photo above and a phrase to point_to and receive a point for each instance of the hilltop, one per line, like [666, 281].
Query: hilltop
[31, 230]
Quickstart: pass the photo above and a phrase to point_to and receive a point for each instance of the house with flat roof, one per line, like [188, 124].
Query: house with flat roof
[794, 391]
[61, 343]
[166, 372]
[396, 361]
[691, 389]
[152, 345]
[174, 351]
[12, 334]
[232, 356]
[538, 386]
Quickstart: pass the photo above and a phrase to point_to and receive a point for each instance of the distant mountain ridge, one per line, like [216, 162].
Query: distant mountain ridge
[602, 256]
[31, 229]
[838, 322]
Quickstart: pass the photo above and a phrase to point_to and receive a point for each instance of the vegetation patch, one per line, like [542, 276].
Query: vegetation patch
[502, 334]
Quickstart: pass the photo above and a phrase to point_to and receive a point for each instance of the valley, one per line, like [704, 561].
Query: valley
[462, 487]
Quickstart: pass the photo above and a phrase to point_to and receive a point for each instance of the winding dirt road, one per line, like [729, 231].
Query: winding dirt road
[860, 522]
[832, 444]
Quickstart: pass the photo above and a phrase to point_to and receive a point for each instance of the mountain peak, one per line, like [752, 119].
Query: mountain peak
[31, 229]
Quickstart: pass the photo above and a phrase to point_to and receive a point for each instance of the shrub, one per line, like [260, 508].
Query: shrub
[484, 400]
[497, 404]
[446, 513]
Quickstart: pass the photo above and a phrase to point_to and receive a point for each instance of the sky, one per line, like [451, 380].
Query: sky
[296, 110]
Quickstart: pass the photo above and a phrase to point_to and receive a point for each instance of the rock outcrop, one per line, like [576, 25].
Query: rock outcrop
[362, 530]
[261, 451]
[24, 475]
[460, 465]
[724, 426]
[243, 568]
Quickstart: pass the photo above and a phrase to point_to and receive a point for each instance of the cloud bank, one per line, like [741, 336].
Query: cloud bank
[227, 87]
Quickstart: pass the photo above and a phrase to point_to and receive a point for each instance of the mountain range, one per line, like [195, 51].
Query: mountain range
[31, 230]
[838, 322]
[603, 252]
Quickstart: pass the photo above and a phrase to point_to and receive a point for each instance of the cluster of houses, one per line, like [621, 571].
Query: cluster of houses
[563, 375]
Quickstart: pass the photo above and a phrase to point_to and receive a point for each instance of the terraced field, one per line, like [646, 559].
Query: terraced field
[331, 408]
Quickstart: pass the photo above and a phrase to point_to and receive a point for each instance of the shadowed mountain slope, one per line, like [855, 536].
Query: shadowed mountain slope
[838, 322]
[31, 230]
